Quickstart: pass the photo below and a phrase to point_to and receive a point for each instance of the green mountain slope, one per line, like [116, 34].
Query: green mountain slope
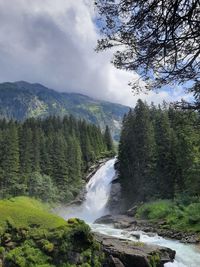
[21, 100]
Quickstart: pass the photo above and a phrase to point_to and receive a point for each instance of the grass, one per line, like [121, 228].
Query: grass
[24, 211]
[174, 215]
[30, 236]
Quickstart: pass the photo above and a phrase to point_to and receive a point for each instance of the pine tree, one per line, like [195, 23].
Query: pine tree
[159, 153]
[60, 165]
[36, 150]
[53, 150]
[26, 151]
[10, 161]
[164, 172]
[74, 161]
[136, 155]
[108, 139]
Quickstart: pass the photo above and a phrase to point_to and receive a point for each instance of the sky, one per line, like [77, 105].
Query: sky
[52, 42]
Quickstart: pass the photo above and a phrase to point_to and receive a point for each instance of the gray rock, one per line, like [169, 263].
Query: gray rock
[151, 234]
[190, 239]
[115, 262]
[135, 254]
[135, 234]
[132, 211]
[107, 219]
[122, 225]
[114, 202]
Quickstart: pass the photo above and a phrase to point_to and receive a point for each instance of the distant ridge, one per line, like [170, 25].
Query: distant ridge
[21, 100]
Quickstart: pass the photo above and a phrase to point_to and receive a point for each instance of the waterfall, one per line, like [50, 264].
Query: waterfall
[94, 206]
[97, 195]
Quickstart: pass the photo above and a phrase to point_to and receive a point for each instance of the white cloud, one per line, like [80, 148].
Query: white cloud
[52, 42]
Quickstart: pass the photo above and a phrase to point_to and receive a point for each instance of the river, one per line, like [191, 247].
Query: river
[94, 206]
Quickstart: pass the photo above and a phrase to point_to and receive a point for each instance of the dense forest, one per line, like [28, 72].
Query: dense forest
[159, 153]
[23, 100]
[48, 158]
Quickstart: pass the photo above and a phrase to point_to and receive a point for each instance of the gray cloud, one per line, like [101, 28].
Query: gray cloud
[52, 42]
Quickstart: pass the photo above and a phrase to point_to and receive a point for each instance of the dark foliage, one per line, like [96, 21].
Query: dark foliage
[159, 153]
[158, 39]
[47, 158]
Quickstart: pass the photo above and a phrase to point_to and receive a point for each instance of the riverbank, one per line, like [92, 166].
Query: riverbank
[124, 253]
[132, 225]
[32, 236]
[94, 206]
[167, 218]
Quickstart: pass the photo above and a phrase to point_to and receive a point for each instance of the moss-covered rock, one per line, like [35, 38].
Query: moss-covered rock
[154, 259]
[35, 237]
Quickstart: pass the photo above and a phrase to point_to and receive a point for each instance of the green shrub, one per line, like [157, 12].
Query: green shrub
[25, 256]
[155, 210]
[193, 213]
[39, 238]
[175, 214]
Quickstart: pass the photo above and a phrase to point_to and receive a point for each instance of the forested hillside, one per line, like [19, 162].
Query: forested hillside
[47, 158]
[159, 154]
[22, 100]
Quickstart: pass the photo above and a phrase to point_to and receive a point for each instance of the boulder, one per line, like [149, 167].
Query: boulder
[119, 221]
[128, 253]
[190, 239]
[114, 262]
[129, 234]
[135, 235]
[132, 211]
[107, 219]
[122, 225]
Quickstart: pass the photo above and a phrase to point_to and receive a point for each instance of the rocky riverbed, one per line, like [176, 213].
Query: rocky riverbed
[124, 253]
[132, 224]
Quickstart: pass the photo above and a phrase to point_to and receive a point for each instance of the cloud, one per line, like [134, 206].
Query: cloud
[52, 42]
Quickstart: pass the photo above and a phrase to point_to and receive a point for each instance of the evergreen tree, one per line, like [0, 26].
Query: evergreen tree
[159, 155]
[60, 166]
[164, 170]
[10, 161]
[42, 187]
[52, 151]
[74, 161]
[108, 139]
[137, 142]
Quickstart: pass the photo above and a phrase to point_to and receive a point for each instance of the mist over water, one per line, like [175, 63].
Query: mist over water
[94, 206]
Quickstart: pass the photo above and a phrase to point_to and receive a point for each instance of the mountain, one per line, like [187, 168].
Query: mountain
[21, 100]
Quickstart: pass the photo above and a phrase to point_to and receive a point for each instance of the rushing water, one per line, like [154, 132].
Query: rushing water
[97, 194]
[94, 206]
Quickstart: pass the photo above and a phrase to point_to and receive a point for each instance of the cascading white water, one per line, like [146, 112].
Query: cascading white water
[186, 255]
[94, 206]
[97, 194]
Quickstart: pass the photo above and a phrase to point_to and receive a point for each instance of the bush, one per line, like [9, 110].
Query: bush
[42, 187]
[155, 210]
[193, 213]
[25, 256]
[176, 215]
[38, 238]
